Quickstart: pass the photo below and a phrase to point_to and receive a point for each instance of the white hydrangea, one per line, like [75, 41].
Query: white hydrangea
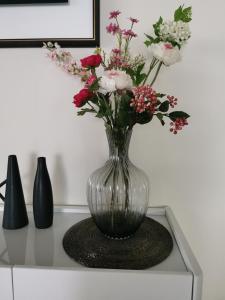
[176, 31]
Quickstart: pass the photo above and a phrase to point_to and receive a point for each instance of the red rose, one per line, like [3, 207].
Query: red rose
[81, 98]
[91, 61]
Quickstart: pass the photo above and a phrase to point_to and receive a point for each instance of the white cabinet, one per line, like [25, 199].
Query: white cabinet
[6, 289]
[36, 284]
[42, 271]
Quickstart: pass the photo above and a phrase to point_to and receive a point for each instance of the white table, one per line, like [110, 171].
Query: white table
[34, 266]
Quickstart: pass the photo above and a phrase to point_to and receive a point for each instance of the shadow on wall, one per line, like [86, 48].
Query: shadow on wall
[57, 176]
[59, 182]
[28, 178]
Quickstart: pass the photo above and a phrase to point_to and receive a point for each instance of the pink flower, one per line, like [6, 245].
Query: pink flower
[113, 28]
[129, 34]
[133, 20]
[168, 46]
[178, 125]
[116, 51]
[91, 79]
[114, 14]
[53, 55]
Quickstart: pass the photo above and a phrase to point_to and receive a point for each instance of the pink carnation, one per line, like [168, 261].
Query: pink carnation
[114, 14]
[113, 28]
[133, 20]
[116, 51]
[129, 34]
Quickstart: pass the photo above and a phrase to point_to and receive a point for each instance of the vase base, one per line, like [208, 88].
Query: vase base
[150, 245]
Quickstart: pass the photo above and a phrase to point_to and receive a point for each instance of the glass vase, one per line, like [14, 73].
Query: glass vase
[118, 193]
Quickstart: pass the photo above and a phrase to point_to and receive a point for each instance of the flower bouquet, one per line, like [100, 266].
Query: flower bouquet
[118, 88]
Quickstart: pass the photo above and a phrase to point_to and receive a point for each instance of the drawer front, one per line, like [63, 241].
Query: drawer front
[49, 284]
[6, 289]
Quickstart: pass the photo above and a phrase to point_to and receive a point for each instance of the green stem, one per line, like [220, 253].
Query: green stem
[152, 66]
[119, 36]
[116, 107]
[156, 74]
[109, 121]
[92, 107]
[96, 110]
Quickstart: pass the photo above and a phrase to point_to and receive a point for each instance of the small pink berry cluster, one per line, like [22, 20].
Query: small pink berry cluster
[172, 101]
[145, 99]
[178, 125]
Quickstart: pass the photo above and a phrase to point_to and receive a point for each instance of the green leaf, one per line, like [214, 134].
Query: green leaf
[143, 118]
[183, 14]
[178, 115]
[95, 85]
[187, 17]
[164, 107]
[156, 26]
[178, 13]
[104, 108]
[159, 95]
[126, 113]
[84, 111]
[140, 78]
[101, 113]
[130, 72]
[160, 117]
[148, 43]
[136, 75]
[152, 41]
[140, 68]
[149, 37]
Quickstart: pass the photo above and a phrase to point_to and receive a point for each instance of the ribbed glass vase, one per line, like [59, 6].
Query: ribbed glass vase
[118, 193]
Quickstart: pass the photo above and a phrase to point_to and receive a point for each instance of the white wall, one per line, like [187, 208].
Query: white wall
[187, 171]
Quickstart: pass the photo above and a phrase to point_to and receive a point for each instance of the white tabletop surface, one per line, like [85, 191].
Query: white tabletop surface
[43, 247]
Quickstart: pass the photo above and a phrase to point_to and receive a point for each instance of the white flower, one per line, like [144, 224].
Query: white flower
[113, 80]
[166, 53]
[175, 31]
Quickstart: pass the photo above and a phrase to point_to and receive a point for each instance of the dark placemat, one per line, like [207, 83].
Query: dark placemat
[150, 245]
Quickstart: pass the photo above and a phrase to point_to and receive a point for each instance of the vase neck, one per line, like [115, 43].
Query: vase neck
[119, 141]
[41, 163]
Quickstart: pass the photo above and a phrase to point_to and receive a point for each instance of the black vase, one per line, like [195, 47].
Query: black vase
[15, 213]
[42, 196]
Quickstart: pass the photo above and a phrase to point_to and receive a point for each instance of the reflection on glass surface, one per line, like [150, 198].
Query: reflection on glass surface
[44, 246]
[16, 244]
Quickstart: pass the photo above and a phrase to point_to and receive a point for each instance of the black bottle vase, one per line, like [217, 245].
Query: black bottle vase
[15, 213]
[42, 196]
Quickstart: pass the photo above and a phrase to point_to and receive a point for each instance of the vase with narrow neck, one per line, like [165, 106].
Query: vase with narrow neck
[42, 196]
[118, 193]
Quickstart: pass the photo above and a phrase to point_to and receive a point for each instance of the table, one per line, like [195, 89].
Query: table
[34, 266]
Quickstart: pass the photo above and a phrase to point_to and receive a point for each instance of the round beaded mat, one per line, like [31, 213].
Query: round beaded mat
[150, 245]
